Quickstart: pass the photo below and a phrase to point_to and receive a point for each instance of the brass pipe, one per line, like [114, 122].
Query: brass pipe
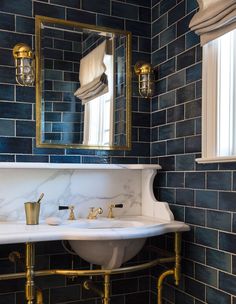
[160, 283]
[105, 295]
[89, 285]
[106, 298]
[29, 262]
[13, 276]
[97, 272]
[39, 296]
[14, 256]
[175, 272]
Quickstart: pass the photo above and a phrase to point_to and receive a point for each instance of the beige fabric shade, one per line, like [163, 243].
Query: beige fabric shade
[92, 76]
[214, 19]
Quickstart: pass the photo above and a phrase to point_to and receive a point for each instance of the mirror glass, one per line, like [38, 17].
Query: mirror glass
[83, 87]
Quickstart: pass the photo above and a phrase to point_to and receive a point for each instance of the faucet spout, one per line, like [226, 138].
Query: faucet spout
[94, 212]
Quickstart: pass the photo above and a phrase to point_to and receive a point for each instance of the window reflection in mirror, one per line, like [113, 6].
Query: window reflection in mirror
[83, 87]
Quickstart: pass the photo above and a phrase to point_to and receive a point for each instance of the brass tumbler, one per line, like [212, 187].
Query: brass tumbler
[32, 213]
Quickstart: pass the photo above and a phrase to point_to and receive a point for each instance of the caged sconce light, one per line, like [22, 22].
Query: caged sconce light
[146, 78]
[24, 64]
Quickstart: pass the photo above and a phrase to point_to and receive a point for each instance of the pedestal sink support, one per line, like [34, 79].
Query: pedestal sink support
[32, 294]
[29, 263]
[175, 271]
[31, 291]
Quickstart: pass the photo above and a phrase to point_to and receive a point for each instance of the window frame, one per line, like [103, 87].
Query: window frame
[209, 106]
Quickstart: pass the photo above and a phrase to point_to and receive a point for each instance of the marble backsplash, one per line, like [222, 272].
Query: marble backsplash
[81, 188]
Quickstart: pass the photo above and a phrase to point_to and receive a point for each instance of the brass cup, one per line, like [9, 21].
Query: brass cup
[32, 210]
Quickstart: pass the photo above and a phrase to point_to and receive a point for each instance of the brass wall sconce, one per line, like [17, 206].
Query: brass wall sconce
[146, 78]
[24, 64]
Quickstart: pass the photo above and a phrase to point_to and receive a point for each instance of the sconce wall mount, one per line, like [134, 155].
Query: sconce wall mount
[146, 78]
[24, 64]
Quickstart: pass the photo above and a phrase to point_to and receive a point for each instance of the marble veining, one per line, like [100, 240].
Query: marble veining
[142, 215]
[81, 188]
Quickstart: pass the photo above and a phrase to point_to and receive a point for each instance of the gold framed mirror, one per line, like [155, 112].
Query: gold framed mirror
[83, 85]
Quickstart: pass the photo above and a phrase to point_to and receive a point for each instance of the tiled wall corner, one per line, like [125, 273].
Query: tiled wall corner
[202, 195]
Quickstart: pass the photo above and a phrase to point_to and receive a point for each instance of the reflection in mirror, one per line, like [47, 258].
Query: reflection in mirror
[83, 85]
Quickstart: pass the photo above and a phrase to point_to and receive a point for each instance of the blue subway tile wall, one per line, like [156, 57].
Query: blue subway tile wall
[17, 104]
[203, 195]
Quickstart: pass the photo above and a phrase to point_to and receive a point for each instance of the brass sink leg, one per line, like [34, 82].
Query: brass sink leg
[177, 258]
[175, 272]
[29, 262]
[106, 298]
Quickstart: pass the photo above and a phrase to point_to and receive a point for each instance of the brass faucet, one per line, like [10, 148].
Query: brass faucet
[94, 212]
[110, 211]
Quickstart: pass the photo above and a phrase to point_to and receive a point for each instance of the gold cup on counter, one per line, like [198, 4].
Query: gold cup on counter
[32, 210]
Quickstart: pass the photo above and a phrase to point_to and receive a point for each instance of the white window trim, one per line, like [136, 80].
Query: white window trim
[209, 106]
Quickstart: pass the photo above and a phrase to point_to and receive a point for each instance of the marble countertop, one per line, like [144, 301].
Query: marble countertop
[82, 229]
[23, 165]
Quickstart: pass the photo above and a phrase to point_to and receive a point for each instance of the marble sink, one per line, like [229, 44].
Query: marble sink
[112, 242]
[108, 254]
[105, 242]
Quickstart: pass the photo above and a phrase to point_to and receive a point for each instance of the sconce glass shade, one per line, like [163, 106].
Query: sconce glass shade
[146, 79]
[24, 64]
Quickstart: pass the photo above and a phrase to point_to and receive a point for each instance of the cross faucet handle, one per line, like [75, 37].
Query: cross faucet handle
[71, 208]
[110, 211]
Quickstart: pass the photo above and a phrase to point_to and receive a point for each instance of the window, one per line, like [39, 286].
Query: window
[219, 99]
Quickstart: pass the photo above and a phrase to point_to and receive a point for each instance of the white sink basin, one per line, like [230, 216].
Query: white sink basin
[105, 223]
[112, 242]
[108, 253]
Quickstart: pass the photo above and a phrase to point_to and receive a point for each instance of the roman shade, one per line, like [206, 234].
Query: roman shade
[214, 19]
[98, 113]
[92, 76]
